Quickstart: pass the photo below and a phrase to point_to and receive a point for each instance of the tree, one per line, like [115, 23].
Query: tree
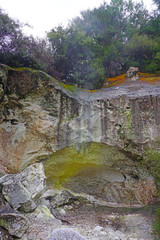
[18, 50]
[74, 58]
[141, 51]
[101, 43]
[112, 26]
[157, 2]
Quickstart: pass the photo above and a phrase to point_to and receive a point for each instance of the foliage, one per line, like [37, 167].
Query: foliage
[151, 162]
[157, 2]
[18, 50]
[156, 225]
[102, 43]
[105, 42]
[142, 51]
[74, 58]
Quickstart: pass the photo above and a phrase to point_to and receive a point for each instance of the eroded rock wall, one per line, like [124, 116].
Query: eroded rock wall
[40, 116]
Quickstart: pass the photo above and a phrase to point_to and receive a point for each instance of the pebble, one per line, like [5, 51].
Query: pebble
[62, 211]
[103, 233]
[98, 228]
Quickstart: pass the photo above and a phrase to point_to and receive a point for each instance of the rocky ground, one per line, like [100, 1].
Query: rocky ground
[31, 211]
[93, 221]
[107, 223]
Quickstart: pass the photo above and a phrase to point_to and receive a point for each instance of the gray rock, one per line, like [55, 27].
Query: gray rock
[14, 222]
[65, 234]
[22, 190]
[4, 234]
[61, 199]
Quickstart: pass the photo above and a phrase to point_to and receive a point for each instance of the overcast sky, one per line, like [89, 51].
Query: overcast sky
[43, 15]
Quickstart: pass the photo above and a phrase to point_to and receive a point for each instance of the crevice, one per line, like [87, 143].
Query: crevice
[124, 176]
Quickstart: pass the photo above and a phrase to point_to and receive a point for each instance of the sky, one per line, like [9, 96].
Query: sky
[43, 15]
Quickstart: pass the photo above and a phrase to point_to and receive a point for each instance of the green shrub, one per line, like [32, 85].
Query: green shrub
[156, 225]
[151, 162]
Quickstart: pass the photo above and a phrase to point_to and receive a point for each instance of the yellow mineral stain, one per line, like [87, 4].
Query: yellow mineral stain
[68, 162]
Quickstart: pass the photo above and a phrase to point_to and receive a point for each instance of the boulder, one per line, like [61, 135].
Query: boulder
[132, 74]
[65, 234]
[14, 222]
[63, 198]
[5, 235]
[22, 190]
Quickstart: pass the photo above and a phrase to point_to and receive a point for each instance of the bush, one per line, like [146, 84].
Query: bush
[156, 225]
[151, 162]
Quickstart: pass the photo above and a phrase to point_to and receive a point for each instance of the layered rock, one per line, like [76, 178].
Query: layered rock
[41, 118]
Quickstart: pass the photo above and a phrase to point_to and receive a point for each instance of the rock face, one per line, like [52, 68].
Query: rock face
[21, 190]
[72, 131]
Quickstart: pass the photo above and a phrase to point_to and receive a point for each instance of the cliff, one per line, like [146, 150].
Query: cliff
[87, 141]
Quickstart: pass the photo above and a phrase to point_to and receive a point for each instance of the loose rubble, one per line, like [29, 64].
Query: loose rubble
[61, 215]
[22, 190]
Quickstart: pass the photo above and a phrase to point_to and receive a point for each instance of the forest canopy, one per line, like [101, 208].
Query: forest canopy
[101, 43]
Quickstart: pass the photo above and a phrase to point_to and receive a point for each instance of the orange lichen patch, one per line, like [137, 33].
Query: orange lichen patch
[115, 83]
[117, 78]
[150, 78]
[92, 91]
[112, 82]
[146, 74]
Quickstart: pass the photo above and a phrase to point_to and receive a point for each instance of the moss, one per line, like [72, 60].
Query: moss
[25, 69]
[127, 125]
[151, 162]
[72, 117]
[69, 87]
[3, 223]
[45, 77]
[1, 174]
[121, 134]
[46, 211]
[128, 122]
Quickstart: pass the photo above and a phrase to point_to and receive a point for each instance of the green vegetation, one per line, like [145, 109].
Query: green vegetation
[151, 162]
[18, 50]
[69, 87]
[105, 42]
[102, 43]
[157, 223]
